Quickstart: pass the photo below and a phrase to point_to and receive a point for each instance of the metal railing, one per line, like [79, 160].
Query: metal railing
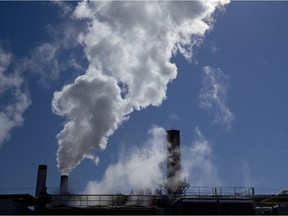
[117, 200]
[232, 192]
[104, 200]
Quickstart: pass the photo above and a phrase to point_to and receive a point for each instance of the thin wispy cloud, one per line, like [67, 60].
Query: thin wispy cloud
[214, 49]
[212, 96]
[13, 96]
[199, 162]
[246, 172]
[174, 117]
[61, 55]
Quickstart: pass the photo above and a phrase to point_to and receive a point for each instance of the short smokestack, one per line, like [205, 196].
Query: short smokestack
[41, 179]
[173, 162]
[64, 184]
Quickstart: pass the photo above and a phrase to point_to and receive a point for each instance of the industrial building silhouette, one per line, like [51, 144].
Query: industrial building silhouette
[175, 196]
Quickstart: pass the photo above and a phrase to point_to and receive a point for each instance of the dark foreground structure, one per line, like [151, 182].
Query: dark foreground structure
[174, 197]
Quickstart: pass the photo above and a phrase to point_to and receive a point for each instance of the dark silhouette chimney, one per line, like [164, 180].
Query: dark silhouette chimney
[173, 162]
[41, 179]
[64, 184]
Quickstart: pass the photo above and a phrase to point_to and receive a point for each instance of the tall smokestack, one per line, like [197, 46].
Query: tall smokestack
[173, 162]
[175, 184]
[64, 184]
[41, 179]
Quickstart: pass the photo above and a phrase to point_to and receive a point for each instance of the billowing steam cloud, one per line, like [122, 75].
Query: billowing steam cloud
[144, 167]
[126, 174]
[13, 95]
[129, 46]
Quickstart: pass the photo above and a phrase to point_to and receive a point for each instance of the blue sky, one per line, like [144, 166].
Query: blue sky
[229, 99]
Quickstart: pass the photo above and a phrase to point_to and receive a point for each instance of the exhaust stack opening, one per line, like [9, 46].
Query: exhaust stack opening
[64, 185]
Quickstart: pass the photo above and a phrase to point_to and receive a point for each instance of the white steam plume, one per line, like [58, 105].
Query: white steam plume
[128, 46]
[213, 96]
[198, 162]
[138, 169]
[245, 171]
[14, 99]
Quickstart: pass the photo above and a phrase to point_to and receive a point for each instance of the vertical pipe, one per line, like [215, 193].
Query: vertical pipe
[173, 161]
[64, 184]
[41, 179]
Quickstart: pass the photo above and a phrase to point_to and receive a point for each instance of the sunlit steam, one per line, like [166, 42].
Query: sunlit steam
[129, 46]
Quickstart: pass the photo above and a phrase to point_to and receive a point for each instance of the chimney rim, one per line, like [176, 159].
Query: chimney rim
[172, 130]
